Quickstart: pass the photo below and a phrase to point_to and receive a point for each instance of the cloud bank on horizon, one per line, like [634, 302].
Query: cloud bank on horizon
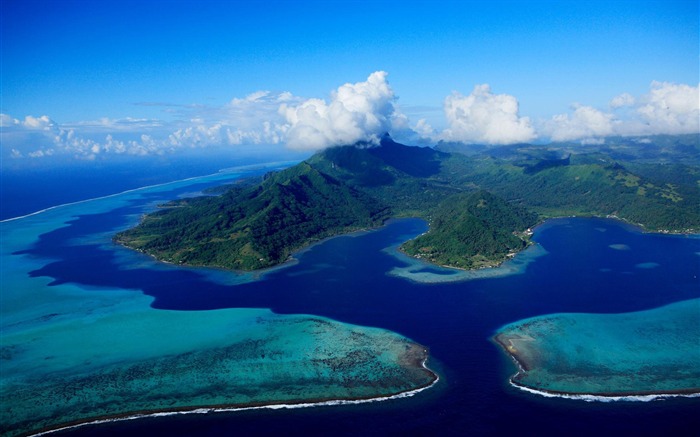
[354, 112]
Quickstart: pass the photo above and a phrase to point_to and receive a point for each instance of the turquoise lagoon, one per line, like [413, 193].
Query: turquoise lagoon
[92, 330]
[72, 353]
[631, 354]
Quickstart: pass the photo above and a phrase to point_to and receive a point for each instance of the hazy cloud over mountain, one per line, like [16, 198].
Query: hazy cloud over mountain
[254, 119]
[361, 111]
[584, 122]
[671, 108]
[668, 108]
[484, 117]
[355, 112]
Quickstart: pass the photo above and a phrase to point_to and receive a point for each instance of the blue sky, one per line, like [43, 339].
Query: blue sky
[151, 67]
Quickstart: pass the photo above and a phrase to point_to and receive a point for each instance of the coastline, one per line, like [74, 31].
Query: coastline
[552, 360]
[425, 379]
[640, 227]
[498, 263]
[378, 368]
[479, 272]
[260, 273]
[223, 408]
[224, 171]
[488, 264]
[641, 396]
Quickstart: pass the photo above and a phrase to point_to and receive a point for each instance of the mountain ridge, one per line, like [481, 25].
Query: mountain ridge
[346, 188]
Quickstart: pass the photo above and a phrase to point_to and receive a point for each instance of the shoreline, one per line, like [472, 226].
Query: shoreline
[292, 259]
[229, 408]
[223, 171]
[640, 227]
[499, 264]
[642, 396]
[260, 273]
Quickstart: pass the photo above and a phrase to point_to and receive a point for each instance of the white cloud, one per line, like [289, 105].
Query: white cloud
[586, 122]
[254, 119]
[484, 117]
[41, 153]
[623, 99]
[671, 108]
[7, 121]
[38, 123]
[43, 123]
[127, 124]
[424, 129]
[667, 109]
[357, 112]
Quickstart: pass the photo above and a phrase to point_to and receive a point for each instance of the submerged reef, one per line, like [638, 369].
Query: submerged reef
[654, 352]
[252, 360]
[73, 354]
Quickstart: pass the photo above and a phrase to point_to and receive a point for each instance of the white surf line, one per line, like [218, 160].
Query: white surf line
[593, 398]
[132, 190]
[206, 410]
[601, 398]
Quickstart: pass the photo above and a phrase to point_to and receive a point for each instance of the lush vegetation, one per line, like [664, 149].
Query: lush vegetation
[473, 230]
[478, 199]
[660, 197]
[257, 226]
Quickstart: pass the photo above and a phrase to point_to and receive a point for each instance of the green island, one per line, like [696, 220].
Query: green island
[632, 354]
[480, 202]
[72, 355]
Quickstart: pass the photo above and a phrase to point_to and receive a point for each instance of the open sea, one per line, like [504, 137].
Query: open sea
[586, 266]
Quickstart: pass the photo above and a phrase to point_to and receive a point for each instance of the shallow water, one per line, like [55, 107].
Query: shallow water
[654, 351]
[353, 280]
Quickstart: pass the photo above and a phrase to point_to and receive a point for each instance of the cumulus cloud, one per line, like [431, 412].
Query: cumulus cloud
[7, 121]
[671, 108]
[484, 117]
[356, 112]
[41, 137]
[624, 99]
[29, 123]
[424, 129]
[38, 123]
[586, 122]
[668, 108]
[253, 120]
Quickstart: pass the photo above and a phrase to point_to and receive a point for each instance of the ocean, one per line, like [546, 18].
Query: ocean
[584, 265]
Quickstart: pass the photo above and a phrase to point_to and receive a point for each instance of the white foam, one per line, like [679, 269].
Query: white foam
[595, 398]
[147, 187]
[207, 410]
[601, 398]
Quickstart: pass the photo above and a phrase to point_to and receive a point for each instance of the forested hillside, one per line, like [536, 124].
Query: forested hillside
[478, 201]
[258, 226]
[473, 230]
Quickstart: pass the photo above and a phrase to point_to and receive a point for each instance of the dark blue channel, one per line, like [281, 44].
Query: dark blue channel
[345, 279]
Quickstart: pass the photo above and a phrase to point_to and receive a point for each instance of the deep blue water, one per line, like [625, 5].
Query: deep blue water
[28, 189]
[345, 279]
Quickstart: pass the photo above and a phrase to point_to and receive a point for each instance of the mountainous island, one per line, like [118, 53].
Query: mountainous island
[73, 355]
[480, 201]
